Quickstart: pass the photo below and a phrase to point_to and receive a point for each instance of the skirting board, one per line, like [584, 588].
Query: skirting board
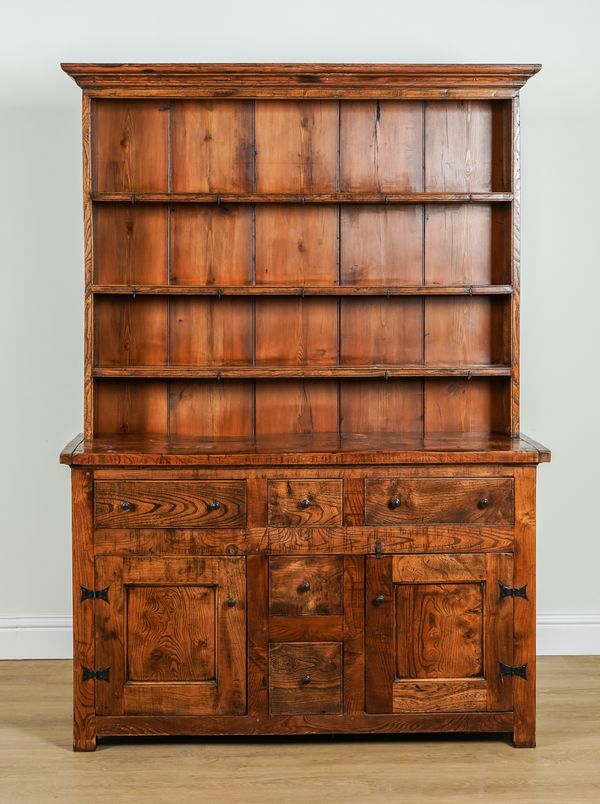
[51, 637]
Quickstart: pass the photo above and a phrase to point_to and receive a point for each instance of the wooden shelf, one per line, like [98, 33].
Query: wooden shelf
[314, 290]
[298, 372]
[306, 198]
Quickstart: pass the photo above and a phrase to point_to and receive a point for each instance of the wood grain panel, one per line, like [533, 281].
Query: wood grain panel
[130, 244]
[296, 245]
[206, 409]
[288, 578]
[130, 146]
[439, 630]
[287, 498]
[296, 332]
[136, 406]
[210, 332]
[485, 500]
[212, 143]
[380, 660]
[466, 406]
[258, 634]
[296, 146]
[179, 503]
[130, 332]
[381, 406]
[458, 146]
[170, 633]
[288, 406]
[381, 331]
[381, 146]
[381, 245]
[429, 695]
[289, 662]
[211, 245]
[444, 568]
[460, 331]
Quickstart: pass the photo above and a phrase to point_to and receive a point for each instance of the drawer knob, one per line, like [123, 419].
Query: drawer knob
[305, 679]
[126, 506]
[483, 503]
[305, 586]
[379, 600]
[231, 601]
[394, 503]
[304, 503]
[214, 505]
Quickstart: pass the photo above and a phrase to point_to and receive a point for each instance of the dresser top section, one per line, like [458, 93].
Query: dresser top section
[318, 449]
[302, 80]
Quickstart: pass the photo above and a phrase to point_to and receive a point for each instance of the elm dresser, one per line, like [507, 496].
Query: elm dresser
[302, 502]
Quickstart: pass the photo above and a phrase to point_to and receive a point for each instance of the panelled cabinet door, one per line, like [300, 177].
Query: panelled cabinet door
[437, 629]
[172, 635]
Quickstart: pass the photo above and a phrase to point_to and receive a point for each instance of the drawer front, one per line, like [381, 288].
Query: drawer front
[483, 501]
[304, 503]
[299, 586]
[174, 503]
[305, 678]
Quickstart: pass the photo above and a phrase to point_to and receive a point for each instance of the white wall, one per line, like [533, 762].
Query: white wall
[41, 237]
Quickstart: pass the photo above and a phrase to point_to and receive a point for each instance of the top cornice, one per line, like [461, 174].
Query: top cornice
[301, 80]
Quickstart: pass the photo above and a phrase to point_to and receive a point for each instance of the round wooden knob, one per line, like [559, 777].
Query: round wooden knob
[214, 505]
[394, 503]
[126, 506]
[305, 679]
[231, 601]
[304, 503]
[305, 586]
[379, 600]
[483, 503]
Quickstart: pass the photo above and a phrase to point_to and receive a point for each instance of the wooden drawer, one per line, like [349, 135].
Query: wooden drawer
[300, 586]
[305, 678]
[444, 500]
[303, 503]
[174, 503]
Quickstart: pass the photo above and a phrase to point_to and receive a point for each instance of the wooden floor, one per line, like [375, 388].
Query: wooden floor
[37, 765]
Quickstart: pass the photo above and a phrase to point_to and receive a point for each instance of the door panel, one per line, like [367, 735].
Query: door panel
[436, 631]
[173, 635]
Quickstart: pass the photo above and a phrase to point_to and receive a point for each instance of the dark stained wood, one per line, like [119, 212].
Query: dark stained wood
[305, 678]
[301, 503]
[195, 503]
[258, 635]
[304, 198]
[306, 586]
[379, 635]
[488, 501]
[290, 290]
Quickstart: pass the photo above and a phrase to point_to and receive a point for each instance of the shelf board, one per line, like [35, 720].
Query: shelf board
[306, 198]
[298, 372]
[287, 290]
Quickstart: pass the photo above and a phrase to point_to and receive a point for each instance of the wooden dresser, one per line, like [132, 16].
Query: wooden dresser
[302, 501]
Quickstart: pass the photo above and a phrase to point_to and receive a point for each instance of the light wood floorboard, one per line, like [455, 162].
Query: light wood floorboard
[37, 765]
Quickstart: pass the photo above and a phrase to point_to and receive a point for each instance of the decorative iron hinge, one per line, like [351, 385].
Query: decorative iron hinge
[97, 675]
[513, 591]
[513, 670]
[94, 594]
[378, 552]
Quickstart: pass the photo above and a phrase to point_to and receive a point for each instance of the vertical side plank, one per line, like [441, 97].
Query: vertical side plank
[110, 635]
[88, 338]
[354, 501]
[84, 716]
[231, 639]
[499, 632]
[258, 637]
[379, 635]
[515, 424]
[524, 692]
[354, 656]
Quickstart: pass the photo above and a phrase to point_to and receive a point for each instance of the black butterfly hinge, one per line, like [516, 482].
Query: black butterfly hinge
[102, 674]
[513, 670]
[512, 591]
[94, 594]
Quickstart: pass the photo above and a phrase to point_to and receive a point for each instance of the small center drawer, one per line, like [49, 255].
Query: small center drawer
[305, 678]
[302, 503]
[174, 503]
[299, 586]
[483, 501]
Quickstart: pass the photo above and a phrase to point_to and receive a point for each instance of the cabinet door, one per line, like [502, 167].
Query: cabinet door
[437, 629]
[172, 635]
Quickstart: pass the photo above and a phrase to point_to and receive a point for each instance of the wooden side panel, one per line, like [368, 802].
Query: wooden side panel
[130, 406]
[380, 655]
[208, 409]
[465, 330]
[306, 586]
[381, 331]
[258, 634]
[110, 635]
[381, 146]
[380, 406]
[212, 145]
[288, 406]
[295, 332]
[130, 332]
[210, 332]
[130, 244]
[296, 245]
[130, 146]
[305, 678]
[381, 245]
[466, 406]
[296, 146]
[211, 245]
[301, 503]
[354, 634]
